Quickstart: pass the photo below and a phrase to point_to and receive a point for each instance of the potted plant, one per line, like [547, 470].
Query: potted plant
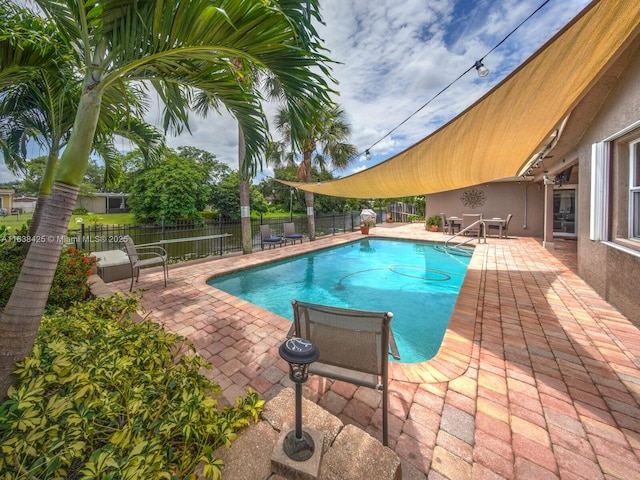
[366, 225]
[433, 223]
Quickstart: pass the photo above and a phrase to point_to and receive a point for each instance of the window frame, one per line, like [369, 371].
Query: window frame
[611, 220]
[634, 190]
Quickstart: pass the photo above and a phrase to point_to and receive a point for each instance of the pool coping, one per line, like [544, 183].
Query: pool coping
[454, 355]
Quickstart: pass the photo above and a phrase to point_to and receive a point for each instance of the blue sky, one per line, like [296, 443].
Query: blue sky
[396, 56]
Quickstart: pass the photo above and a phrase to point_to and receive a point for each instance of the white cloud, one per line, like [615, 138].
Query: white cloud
[396, 56]
[6, 176]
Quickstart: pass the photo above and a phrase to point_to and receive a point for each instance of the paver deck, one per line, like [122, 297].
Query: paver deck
[538, 377]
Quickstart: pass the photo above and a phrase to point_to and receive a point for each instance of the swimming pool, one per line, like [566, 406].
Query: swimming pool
[417, 281]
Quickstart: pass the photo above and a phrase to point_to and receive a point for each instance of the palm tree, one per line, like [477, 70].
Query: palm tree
[176, 48]
[326, 128]
[41, 108]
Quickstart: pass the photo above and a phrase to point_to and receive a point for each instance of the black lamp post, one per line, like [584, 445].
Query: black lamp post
[298, 353]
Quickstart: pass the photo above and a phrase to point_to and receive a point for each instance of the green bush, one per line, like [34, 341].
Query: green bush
[209, 215]
[103, 397]
[79, 211]
[70, 280]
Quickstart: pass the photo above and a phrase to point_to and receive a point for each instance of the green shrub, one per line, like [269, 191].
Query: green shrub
[209, 214]
[70, 280]
[79, 211]
[102, 397]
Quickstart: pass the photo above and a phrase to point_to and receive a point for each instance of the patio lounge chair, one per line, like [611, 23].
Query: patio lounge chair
[354, 346]
[290, 234]
[266, 238]
[145, 256]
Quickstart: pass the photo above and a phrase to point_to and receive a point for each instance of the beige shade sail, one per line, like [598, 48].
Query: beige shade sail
[498, 135]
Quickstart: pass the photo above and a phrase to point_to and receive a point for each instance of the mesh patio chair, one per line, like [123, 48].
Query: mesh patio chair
[448, 226]
[354, 346]
[290, 234]
[267, 238]
[468, 219]
[145, 256]
[505, 227]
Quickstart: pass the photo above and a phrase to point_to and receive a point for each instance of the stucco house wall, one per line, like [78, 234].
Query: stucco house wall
[524, 199]
[614, 273]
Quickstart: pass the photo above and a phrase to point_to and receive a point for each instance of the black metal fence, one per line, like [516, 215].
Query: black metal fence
[187, 241]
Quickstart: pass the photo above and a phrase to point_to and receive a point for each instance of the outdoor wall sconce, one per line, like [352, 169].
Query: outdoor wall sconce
[298, 353]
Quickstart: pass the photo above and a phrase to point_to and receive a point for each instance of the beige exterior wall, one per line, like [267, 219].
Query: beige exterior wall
[614, 274]
[523, 199]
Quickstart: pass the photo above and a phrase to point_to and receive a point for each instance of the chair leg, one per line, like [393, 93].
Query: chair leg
[385, 434]
[132, 275]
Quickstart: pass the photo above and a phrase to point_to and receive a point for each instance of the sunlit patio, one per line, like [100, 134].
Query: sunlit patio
[537, 377]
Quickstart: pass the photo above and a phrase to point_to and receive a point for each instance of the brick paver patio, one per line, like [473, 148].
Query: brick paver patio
[538, 377]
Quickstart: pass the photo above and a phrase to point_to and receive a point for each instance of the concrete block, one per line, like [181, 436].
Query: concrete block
[250, 455]
[290, 469]
[281, 409]
[356, 454]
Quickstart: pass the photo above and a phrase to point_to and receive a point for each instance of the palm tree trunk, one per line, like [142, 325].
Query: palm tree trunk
[245, 198]
[311, 218]
[41, 204]
[20, 319]
[308, 198]
[43, 195]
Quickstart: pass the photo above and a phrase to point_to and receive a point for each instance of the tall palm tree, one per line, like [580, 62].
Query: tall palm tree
[327, 129]
[177, 48]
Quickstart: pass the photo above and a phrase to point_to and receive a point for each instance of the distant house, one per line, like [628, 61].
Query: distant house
[6, 199]
[104, 202]
[25, 204]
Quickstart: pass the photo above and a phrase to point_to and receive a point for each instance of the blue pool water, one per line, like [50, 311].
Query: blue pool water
[418, 282]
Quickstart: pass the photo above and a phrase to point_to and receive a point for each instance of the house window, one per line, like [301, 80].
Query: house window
[615, 189]
[634, 190]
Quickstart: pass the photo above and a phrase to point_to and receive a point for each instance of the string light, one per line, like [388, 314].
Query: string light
[478, 65]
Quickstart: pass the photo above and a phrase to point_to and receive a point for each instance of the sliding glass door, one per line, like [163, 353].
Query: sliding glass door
[564, 211]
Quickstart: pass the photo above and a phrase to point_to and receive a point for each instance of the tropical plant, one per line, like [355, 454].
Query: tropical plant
[177, 48]
[103, 397]
[40, 106]
[434, 221]
[327, 129]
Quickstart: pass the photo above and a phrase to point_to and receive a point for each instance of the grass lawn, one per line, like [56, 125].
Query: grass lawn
[16, 221]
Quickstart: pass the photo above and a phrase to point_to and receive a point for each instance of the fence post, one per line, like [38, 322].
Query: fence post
[82, 236]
